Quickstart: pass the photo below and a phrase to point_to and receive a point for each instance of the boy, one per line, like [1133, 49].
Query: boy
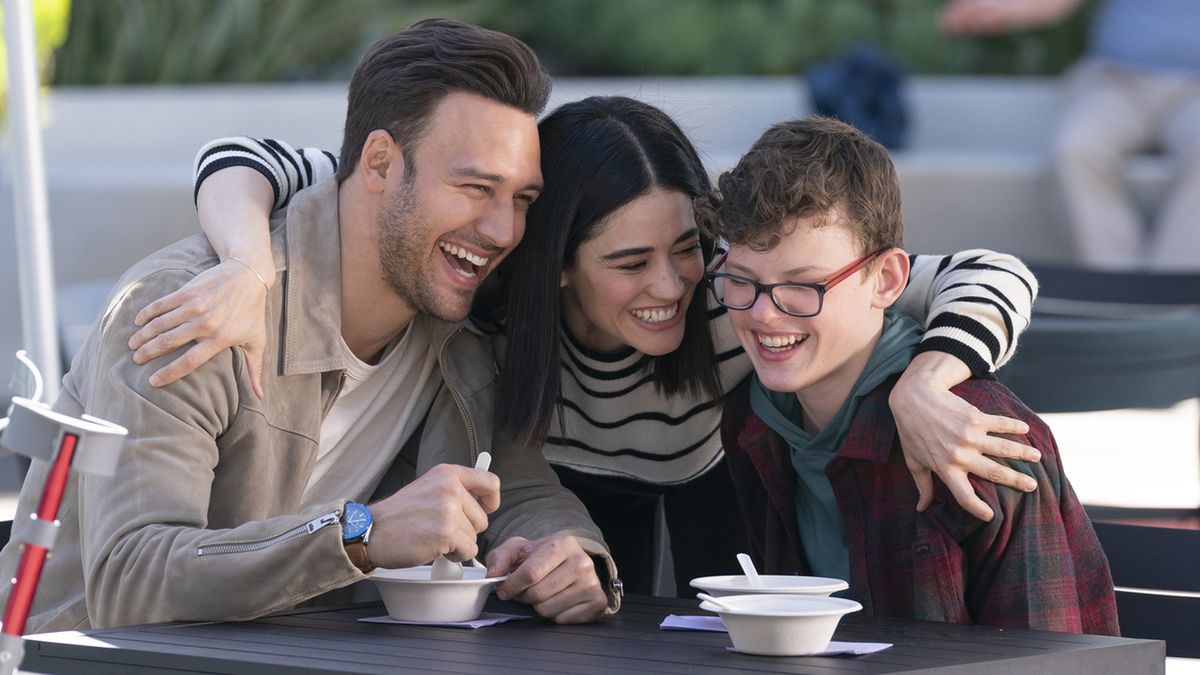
[812, 216]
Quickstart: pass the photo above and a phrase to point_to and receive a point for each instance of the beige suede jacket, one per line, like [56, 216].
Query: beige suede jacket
[203, 520]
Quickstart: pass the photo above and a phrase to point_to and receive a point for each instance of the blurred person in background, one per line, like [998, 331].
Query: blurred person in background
[1137, 88]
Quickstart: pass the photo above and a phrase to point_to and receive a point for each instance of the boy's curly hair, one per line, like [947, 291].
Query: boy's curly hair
[814, 166]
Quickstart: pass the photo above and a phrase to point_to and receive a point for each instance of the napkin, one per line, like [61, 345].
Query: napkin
[683, 622]
[485, 619]
[714, 624]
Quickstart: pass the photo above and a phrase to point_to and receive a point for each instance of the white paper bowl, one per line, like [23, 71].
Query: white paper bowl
[774, 584]
[781, 625]
[410, 595]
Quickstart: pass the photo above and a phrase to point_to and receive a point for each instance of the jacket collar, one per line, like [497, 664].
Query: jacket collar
[872, 434]
[312, 285]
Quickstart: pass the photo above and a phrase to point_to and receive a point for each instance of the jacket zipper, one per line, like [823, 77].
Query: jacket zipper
[310, 527]
[462, 407]
[334, 396]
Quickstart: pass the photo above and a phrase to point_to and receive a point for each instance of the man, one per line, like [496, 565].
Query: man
[812, 215]
[228, 506]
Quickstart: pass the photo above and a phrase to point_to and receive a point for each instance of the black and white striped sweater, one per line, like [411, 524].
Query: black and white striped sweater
[973, 305]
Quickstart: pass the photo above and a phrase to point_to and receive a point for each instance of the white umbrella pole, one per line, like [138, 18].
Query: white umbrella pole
[35, 265]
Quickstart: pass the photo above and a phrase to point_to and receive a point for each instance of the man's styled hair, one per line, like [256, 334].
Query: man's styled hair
[815, 166]
[401, 78]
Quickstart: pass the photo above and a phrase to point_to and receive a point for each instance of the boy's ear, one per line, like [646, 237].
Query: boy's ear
[380, 157]
[891, 276]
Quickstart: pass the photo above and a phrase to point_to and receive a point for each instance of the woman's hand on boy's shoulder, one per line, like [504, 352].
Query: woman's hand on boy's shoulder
[942, 434]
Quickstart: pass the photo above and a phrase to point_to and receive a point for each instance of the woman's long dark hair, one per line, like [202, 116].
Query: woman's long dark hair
[598, 154]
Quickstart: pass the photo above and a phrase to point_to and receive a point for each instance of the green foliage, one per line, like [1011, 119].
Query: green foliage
[762, 37]
[188, 41]
[50, 30]
[130, 41]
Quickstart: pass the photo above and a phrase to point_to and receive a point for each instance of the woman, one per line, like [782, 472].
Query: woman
[609, 358]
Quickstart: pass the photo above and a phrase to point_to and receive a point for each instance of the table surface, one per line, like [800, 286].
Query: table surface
[331, 640]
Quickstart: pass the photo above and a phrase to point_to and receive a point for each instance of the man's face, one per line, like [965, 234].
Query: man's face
[820, 355]
[447, 227]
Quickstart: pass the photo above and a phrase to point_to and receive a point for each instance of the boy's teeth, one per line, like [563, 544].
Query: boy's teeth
[465, 255]
[656, 315]
[777, 341]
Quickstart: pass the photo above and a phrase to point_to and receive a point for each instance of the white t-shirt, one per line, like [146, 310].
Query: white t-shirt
[376, 411]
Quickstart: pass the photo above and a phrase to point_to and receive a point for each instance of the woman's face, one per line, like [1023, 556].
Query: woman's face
[632, 282]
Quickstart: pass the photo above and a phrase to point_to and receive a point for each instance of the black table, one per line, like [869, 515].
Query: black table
[333, 641]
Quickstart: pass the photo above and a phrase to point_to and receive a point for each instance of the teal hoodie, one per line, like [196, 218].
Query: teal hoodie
[818, 519]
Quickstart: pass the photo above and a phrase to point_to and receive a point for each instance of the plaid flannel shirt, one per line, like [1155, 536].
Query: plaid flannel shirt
[1037, 565]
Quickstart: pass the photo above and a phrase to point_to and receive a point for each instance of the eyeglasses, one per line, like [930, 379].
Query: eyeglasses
[792, 298]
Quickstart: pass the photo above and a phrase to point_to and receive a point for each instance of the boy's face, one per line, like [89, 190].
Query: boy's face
[820, 355]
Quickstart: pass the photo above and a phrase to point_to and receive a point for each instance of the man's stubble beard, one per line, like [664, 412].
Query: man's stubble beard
[403, 260]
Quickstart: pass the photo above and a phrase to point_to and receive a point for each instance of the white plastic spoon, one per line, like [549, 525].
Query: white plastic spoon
[484, 461]
[748, 569]
[715, 601]
[445, 569]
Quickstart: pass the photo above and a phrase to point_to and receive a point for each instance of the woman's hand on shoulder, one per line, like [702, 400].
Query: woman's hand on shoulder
[222, 307]
[943, 434]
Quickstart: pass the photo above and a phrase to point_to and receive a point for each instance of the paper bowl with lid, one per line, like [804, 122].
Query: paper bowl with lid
[781, 625]
[773, 584]
[409, 594]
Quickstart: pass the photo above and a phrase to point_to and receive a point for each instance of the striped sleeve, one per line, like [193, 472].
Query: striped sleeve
[287, 169]
[973, 305]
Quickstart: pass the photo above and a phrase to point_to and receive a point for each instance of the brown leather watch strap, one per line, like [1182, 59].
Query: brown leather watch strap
[356, 549]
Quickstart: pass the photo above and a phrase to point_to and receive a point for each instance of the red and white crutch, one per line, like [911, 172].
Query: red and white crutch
[85, 444]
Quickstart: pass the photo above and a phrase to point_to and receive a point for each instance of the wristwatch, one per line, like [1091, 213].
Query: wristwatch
[356, 530]
[611, 585]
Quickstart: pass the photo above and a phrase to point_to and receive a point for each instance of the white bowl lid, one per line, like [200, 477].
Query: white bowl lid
[772, 583]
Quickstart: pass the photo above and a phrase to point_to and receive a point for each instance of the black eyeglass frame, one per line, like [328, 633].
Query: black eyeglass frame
[821, 287]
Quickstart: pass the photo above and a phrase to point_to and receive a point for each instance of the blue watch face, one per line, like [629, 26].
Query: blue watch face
[356, 518]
